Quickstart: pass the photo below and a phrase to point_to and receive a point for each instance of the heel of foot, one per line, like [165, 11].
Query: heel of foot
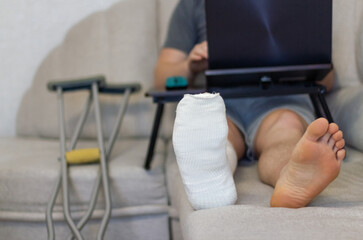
[283, 198]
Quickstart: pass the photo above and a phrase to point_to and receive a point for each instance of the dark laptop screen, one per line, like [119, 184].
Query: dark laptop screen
[264, 33]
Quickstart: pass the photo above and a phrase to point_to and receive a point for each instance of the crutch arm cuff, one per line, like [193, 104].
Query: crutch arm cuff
[76, 84]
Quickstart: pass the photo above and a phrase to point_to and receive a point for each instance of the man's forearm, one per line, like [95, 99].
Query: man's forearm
[164, 70]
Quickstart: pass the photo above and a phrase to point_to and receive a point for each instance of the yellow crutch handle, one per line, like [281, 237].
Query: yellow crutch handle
[82, 156]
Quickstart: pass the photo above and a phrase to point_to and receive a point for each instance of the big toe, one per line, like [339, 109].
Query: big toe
[317, 129]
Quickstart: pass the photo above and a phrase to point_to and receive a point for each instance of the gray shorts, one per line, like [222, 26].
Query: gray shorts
[248, 113]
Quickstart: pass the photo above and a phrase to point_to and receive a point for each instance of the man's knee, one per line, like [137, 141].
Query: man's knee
[278, 125]
[284, 119]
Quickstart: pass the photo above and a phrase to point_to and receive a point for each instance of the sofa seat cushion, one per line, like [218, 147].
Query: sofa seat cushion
[29, 169]
[337, 213]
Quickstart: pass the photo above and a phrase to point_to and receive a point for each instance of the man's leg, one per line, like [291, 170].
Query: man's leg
[206, 159]
[236, 145]
[297, 159]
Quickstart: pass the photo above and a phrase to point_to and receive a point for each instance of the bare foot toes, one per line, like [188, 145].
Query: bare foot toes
[315, 162]
[341, 155]
[339, 145]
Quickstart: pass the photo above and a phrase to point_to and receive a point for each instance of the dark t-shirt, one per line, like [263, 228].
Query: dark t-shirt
[187, 26]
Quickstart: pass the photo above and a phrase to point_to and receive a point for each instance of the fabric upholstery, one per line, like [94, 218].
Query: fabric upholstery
[335, 214]
[146, 227]
[347, 108]
[120, 43]
[345, 26]
[360, 41]
[28, 177]
[123, 43]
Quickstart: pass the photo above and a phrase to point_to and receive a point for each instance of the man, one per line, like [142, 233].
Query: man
[296, 155]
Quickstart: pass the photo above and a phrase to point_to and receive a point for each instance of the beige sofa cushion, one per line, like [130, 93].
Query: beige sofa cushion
[345, 26]
[347, 110]
[120, 43]
[360, 41]
[28, 178]
[337, 213]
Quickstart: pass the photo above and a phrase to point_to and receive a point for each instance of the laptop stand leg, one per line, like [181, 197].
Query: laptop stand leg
[325, 107]
[314, 101]
[154, 134]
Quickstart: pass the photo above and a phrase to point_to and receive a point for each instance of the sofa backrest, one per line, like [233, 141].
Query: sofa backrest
[123, 43]
[346, 27]
[359, 52]
[120, 43]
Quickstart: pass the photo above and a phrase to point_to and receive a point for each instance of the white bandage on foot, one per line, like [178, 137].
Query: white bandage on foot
[231, 157]
[200, 144]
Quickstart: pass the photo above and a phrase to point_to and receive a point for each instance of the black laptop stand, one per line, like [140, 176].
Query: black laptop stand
[160, 97]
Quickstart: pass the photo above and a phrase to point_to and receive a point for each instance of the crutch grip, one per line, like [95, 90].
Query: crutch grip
[83, 156]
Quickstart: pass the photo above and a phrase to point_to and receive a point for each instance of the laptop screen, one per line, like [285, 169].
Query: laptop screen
[267, 33]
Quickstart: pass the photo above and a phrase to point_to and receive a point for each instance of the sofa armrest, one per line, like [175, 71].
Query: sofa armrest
[346, 105]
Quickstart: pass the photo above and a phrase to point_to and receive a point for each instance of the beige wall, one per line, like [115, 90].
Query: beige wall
[29, 30]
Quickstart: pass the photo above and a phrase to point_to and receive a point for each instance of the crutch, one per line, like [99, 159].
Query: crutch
[95, 86]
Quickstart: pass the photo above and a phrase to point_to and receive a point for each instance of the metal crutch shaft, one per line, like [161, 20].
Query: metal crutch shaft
[81, 122]
[50, 205]
[74, 140]
[96, 187]
[120, 116]
[105, 182]
[91, 205]
[64, 168]
[110, 145]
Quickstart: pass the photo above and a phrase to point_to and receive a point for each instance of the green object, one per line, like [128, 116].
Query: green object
[176, 82]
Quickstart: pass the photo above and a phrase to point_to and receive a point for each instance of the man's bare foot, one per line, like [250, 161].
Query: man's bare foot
[315, 162]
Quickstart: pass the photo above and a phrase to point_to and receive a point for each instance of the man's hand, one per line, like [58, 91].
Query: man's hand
[198, 58]
[174, 62]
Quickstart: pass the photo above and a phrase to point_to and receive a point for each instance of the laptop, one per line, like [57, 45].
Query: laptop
[254, 41]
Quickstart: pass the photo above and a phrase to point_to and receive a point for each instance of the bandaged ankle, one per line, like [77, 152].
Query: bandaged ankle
[200, 144]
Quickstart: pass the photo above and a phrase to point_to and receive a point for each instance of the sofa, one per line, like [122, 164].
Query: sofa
[337, 213]
[122, 43]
